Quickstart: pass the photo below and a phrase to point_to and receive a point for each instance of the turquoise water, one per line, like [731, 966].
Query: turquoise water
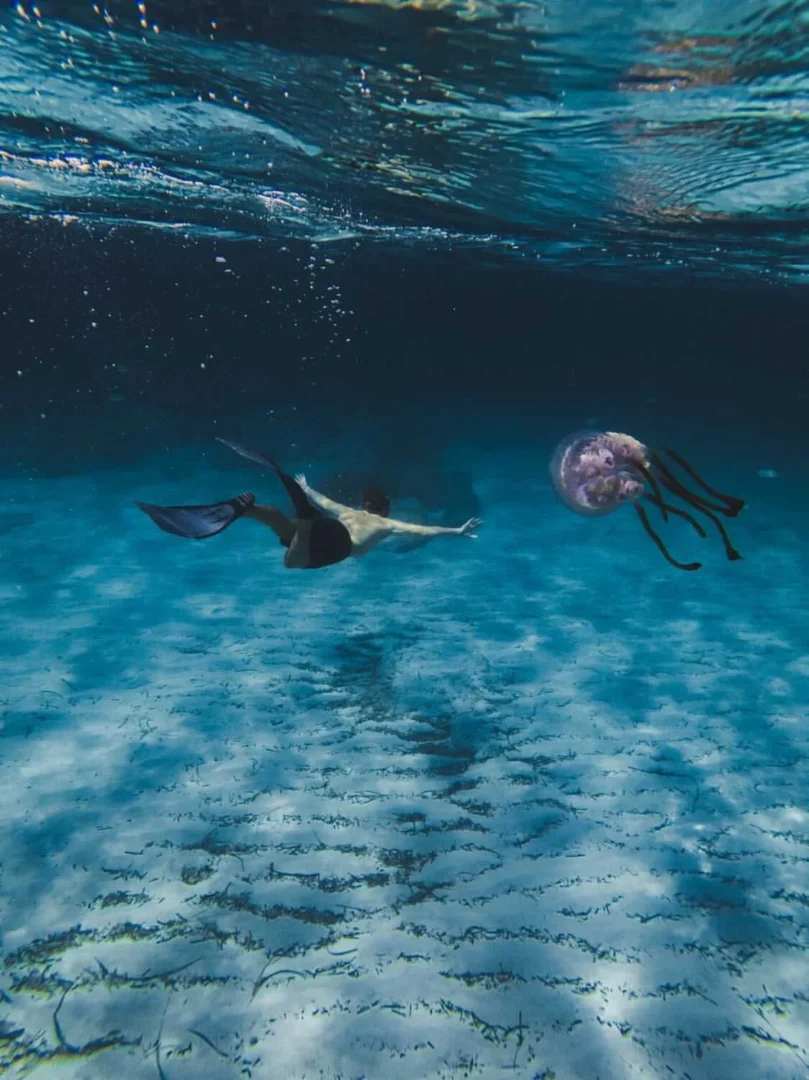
[519, 808]
[533, 804]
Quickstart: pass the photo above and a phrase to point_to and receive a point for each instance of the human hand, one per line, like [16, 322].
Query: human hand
[301, 480]
[468, 528]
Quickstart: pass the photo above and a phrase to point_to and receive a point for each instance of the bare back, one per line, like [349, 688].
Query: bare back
[368, 530]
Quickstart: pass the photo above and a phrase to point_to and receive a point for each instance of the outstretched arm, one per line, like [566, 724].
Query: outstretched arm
[326, 504]
[467, 529]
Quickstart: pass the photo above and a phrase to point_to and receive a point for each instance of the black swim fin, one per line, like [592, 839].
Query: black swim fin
[252, 455]
[303, 508]
[198, 522]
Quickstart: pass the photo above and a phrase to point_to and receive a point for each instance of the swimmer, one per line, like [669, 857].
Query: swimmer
[321, 533]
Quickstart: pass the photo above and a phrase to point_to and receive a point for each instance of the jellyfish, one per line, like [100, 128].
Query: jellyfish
[596, 472]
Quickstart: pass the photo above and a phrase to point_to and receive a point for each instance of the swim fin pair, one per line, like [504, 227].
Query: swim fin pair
[200, 522]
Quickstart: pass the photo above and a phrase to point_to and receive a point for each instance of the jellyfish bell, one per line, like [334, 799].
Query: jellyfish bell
[596, 472]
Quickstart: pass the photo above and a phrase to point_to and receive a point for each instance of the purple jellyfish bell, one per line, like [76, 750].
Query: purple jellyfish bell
[596, 472]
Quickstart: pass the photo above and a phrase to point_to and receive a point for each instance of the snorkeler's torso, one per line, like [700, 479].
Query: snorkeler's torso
[366, 530]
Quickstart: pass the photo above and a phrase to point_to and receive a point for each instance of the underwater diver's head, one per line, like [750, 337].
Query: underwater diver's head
[376, 501]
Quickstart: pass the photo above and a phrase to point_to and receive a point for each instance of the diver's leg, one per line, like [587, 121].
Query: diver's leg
[274, 519]
[303, 508]
[296, 556]
[198, 522]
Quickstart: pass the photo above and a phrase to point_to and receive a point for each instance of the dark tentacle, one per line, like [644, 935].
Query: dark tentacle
[694, 501]
[680, 513]
[653, 484]
[644, 518]
[670, 480]
[735, 506]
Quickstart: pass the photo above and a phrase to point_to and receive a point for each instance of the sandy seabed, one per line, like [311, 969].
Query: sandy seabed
[532, 805]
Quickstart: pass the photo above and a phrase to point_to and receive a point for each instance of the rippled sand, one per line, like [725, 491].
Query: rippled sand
[533, 806]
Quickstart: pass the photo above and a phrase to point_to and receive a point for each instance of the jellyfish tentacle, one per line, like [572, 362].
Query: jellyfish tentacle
[680, 513]
[651, 479]
[730, 550]
[597, 472]
[669, 480]
[694, 501]
[644, 519]
[735, 506]
[699, 502]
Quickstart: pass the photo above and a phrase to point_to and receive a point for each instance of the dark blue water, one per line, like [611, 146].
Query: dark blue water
[532, 804]
[656, 137]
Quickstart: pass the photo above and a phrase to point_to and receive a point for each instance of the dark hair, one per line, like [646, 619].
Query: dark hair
[376, 501]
